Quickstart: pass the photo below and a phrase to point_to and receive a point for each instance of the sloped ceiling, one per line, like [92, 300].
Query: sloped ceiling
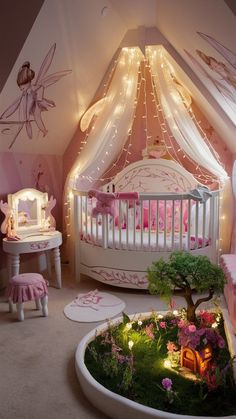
[87, 34]
[21, 17]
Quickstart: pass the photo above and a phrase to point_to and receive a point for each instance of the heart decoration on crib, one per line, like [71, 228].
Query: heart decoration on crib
[94, 306]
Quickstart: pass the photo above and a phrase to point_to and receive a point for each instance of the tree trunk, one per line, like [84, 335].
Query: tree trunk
[191, 315]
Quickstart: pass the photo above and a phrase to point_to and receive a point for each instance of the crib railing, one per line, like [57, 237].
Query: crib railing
[155, 222]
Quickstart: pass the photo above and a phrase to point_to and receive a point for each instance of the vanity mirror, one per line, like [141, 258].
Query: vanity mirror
[27, 211]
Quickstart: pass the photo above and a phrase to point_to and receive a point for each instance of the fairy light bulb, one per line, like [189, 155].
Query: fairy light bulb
[167, 363]
[128, 326]
[130, 344]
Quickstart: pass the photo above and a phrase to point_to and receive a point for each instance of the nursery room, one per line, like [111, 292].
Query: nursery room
[117, 209]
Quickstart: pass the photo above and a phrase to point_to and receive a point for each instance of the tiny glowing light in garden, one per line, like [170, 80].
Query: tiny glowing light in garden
[130, 344]
[140, 322]
[167, 363]
[175, 312]
[128, 326]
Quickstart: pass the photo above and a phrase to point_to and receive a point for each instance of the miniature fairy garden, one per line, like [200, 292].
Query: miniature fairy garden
[177, 361]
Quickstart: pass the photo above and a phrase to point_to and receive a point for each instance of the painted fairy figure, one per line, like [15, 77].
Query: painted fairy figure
[220, 68]
[32, 102]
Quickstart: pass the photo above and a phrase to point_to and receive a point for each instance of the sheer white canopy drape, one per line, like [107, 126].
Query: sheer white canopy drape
[113, 122]
[183, 128]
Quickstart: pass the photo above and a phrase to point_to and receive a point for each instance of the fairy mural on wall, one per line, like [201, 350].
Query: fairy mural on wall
[26, 110]
[221, 73]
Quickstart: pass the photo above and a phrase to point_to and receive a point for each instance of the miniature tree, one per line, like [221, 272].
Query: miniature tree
[187, 273]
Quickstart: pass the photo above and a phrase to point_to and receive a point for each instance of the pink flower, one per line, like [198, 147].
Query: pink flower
[207, 319]
[192, 328]
[167, 383]
[162, 325]
[148, 330]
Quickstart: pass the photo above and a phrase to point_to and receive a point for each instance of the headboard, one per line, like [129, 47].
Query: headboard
[153, 175]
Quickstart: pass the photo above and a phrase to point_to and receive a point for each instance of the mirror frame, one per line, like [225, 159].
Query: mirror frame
[30, 194]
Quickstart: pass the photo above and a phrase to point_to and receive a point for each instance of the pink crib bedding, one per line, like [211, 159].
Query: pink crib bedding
[167, 210]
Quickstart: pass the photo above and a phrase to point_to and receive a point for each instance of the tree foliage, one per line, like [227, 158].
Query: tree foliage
[188, 273]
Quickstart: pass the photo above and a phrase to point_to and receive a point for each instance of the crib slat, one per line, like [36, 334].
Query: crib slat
[189, 224]
[204, 224]
[214, 221]
[134, 225]
[165, 225]
[91, 219]
[127, 223]
[104, 231]
[157, 225]
[77, 215]
[86, 215]
[173, 225]
[120, 224]
[181, 225]
[196, 224]
[107, 228]
[149, 223]
[96, 221]
[85, 227]
[78, 202]
[113, 230]
[141, 226]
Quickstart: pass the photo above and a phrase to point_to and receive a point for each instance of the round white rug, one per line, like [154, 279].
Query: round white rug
[93, 306]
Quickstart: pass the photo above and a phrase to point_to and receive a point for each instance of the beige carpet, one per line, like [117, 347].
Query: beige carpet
[37, 374]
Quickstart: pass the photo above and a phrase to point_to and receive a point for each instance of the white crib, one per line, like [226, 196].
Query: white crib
[171, 212]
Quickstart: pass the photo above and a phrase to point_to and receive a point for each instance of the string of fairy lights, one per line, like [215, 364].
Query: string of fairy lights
[167, 137]
[103, 94]
[146, 89]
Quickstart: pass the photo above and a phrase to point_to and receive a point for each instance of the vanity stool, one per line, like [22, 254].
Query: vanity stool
[27, 287]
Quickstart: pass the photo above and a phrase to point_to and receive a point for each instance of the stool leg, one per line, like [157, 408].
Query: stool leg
[44, 301]
[38, 304]
[20, 311]
[11, 306]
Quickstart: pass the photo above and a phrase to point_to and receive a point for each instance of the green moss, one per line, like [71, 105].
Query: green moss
[138, 373]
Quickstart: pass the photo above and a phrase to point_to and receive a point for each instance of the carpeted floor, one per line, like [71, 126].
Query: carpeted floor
[37, 374]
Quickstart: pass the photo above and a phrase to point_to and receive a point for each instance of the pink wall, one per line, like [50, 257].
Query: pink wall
[43, 172]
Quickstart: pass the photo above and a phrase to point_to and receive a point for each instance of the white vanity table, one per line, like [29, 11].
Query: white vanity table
[40, 243]
[29, 226]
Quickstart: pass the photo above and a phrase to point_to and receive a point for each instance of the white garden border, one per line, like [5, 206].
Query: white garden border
[116, 406]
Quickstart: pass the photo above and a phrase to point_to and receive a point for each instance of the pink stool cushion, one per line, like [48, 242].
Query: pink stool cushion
[26, 287]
